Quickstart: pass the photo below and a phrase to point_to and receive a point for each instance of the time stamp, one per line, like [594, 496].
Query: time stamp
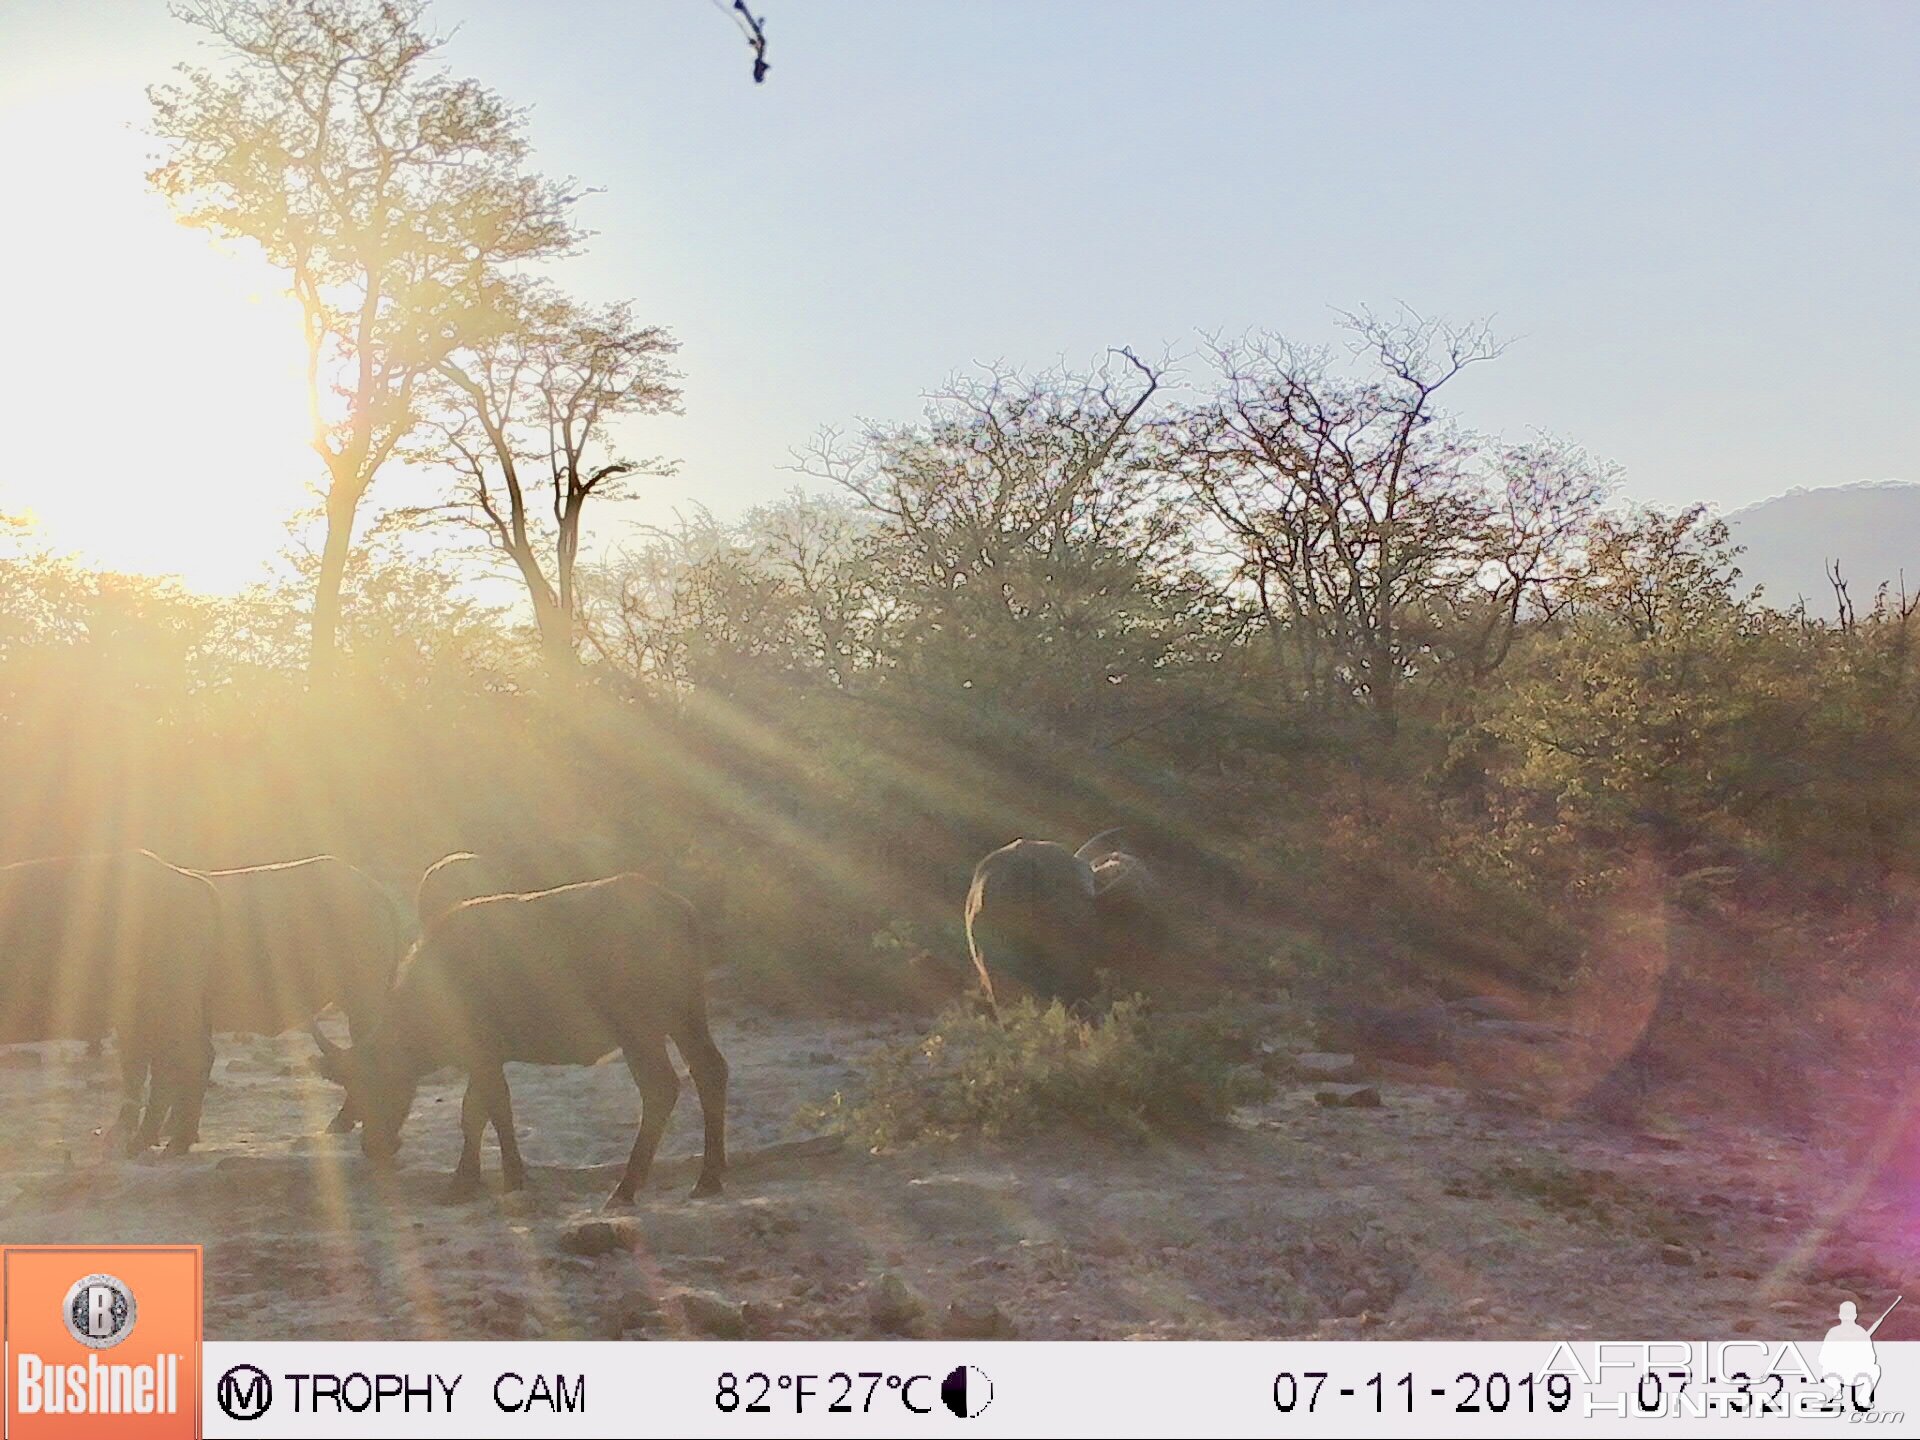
[1651, 1394]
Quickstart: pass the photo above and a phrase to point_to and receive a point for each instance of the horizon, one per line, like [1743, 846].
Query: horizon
[1651, 333]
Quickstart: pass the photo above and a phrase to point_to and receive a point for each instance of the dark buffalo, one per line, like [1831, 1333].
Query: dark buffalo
[555, 977]
[1042, 916]
[300, 936]
[118, 943]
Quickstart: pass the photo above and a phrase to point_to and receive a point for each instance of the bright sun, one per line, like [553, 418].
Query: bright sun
[154, 381]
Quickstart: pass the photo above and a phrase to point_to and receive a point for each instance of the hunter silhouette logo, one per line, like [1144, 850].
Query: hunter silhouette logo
[101, 1342]
[1847, 1353]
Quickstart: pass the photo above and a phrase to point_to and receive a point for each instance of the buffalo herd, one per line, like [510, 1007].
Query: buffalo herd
[487, 969]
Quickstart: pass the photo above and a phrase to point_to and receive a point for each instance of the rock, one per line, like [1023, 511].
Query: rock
[1353, 1302]
[822, 1057]
[599, 1237]
[1325, 1065]
[892, 1305]
[1744, 1327]
[1348, 1097]
[712, 1314]
[638, 1311]
[1675, 1255]
[976, 1320]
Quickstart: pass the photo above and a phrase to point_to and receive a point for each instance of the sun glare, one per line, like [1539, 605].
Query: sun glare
[154, 377]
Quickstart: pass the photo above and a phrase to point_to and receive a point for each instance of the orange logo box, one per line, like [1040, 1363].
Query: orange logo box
[102, 1342]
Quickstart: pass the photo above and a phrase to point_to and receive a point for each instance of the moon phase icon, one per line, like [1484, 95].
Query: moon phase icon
[966, 1391]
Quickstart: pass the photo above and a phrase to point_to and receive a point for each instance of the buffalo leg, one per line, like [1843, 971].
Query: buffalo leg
[473, 1127]
[349, 1115]
[189, 1097]
[709, 1070]
[659, 1088]
[500, 1109]
[129, 1126]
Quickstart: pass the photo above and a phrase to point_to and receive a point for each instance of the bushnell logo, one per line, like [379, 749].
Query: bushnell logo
[100, 1311]
[86, 1359]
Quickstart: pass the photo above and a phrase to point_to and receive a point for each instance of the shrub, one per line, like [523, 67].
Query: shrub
[1128, 1073]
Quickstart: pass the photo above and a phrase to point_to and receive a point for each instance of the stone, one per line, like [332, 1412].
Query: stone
[977, 1320]
[599, 1237]
[712, 1314]
[760, 1316]
[1675, 1255]
[892, 1304]
[638, 1311]
[1348, 1097]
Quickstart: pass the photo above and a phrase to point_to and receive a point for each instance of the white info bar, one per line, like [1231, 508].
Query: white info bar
[1055, 1389]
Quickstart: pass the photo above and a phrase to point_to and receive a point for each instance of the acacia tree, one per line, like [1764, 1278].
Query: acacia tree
[1377, 539]
[1030, 531]
[390, 192]
[521, 418]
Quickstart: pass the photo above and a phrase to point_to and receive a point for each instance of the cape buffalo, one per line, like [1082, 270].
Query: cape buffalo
[555, 977]
[121, 943]
[300, 936]
[1037, 914]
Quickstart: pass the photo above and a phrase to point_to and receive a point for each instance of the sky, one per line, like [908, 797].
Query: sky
[1697, 223]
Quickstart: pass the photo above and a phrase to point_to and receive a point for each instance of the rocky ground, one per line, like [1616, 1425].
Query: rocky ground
[1439, 1212]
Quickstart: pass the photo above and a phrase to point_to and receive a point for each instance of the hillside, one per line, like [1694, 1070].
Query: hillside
[1872, 528]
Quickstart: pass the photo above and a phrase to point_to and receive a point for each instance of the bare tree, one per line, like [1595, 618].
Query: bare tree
[1362, 519]
[522, 419]
[390, 192]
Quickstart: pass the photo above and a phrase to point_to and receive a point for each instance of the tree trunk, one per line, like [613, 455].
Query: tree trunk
[323, 653]
[549, 616]
[556, 639]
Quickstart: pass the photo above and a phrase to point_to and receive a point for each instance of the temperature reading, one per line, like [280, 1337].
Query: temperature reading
[841, 1392]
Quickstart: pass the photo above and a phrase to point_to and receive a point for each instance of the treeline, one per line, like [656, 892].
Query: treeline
[1383, 696]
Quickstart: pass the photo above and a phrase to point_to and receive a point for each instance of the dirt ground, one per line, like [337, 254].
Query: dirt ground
[1434, 1215]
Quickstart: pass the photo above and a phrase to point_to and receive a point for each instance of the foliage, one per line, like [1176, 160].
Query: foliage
[1125, 1075]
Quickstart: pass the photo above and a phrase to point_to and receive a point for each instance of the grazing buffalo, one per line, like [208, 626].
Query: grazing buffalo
[555, 977]
[1042, 915]
[301, 936]
[121, 943]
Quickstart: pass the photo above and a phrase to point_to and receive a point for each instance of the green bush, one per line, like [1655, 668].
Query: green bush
[1127, 1073]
